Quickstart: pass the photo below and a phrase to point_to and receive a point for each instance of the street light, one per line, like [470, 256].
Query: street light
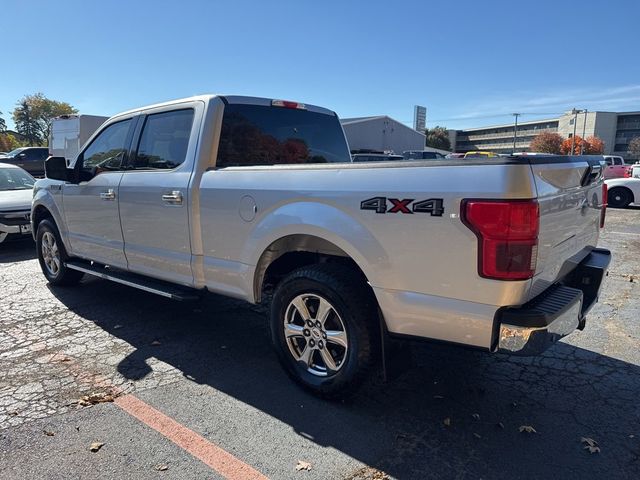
[515, 131]
[575, 121]
[584, 130]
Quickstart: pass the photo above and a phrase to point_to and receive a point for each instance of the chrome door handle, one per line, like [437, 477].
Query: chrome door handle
[173, 198]
[108, 195]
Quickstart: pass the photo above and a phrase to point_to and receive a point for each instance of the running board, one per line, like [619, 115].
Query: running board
[159, 287]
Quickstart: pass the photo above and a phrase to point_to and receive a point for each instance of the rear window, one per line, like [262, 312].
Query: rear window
[261, 135]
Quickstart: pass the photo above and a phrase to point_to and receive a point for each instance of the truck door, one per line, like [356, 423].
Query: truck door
[154, 194]
[91, 207]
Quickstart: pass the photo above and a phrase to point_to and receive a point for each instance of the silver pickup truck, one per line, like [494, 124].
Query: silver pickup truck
[257, 198]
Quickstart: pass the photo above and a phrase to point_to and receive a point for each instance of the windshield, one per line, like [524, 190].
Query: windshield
[13, 153]
[15, 179]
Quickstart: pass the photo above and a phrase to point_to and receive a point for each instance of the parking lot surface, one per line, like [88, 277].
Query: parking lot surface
[198, 392]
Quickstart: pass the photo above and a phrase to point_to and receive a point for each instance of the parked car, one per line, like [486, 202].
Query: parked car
[376, 157]
[29, 158]
[475, 154]
[16, 192]
[616, 167]
[622, 191]
[422, 155]
[344, 251]
[455, 155]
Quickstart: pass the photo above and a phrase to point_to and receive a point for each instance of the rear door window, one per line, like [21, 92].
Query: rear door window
[254, 135]
[164, 140]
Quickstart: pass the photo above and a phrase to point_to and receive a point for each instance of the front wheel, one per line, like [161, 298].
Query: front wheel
[619, 197]
[325, 329]
[51, 255]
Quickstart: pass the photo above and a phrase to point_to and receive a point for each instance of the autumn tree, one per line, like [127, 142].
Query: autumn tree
[594, 145]
[565, 148]
[33, 114]
[547, 142]
[8, 142]
[438, 137]
[634, 147]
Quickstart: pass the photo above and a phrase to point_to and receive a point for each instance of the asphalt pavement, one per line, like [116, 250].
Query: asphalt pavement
[199, 393]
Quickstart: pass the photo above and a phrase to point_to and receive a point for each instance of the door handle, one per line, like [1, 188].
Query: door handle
[173, 198]
[108, 195]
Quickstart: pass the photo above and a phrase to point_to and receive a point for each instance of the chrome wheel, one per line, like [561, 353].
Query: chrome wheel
[315, 334]
[50, 254]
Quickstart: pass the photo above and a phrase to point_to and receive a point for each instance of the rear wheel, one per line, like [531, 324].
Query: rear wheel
[324, 327]
[51, 255]
[619, 197]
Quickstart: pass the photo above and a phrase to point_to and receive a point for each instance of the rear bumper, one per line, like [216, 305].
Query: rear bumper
[558, 311]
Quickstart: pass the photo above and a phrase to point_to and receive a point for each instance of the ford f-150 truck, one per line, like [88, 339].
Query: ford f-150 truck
[257, 198]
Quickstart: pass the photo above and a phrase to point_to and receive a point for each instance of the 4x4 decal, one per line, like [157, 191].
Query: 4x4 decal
[434, 206]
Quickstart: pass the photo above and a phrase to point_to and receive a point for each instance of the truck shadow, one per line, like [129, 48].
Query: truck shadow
[456, 413]
[17, 250]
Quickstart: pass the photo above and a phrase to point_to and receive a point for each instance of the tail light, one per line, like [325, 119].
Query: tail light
[507, 232]
[605, 199]
[627, 172]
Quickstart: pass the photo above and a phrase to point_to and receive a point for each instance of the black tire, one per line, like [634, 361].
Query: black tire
[619, 197]
[60, 276]
[354, 309]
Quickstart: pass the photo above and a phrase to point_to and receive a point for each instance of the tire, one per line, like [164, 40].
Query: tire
[619, 197]
[51, 255]
[349, 334]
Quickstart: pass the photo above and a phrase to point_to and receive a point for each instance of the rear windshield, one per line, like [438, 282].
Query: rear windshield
[260, 135]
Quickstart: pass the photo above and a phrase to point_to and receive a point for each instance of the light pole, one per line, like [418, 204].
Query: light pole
[584, 130]
[515, 131]
[575, 121]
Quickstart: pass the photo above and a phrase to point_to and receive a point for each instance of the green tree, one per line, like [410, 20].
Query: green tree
[547, 142]
[3, 125]
[438, 137]
[33, 114]
[634, 147]
[8, 142]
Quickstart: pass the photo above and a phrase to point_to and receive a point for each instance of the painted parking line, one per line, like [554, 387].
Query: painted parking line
[210, 454]
[216, 458]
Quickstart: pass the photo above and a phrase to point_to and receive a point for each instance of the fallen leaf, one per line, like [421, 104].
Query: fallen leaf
[95, 446]
[447, 422]
[96, 397]
[527, 428]
[48, 433]
[477, 435]
[589, 441]
[78, 428]
[162, 468]
[501, 425]
[155, 343]
[476, 416]
[592, 448]
[65, 359]
[303, 466]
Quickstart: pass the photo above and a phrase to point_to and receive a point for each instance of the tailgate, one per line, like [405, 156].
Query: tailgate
[570, 198]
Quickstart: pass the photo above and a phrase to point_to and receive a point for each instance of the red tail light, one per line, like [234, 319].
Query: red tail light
[605, 199]
[627, 172]
[288, 104]
[507, 232]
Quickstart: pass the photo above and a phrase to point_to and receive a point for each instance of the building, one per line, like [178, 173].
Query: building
[616, 129]
[381, 133]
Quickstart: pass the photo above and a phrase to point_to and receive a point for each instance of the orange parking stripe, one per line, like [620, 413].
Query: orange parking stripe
[215, 457]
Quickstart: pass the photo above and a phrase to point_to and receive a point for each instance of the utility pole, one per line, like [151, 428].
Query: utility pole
[515, 131]
[575, 121]
[584, 131]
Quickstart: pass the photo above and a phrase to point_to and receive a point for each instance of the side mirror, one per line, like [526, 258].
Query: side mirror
[55, 168]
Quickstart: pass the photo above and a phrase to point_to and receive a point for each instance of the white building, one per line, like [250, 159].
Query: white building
[381, 133]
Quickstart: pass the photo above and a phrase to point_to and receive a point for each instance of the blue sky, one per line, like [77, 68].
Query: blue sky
[470, 63]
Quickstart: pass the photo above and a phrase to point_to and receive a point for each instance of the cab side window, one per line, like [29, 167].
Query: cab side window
[164, 140]
[108, 150]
